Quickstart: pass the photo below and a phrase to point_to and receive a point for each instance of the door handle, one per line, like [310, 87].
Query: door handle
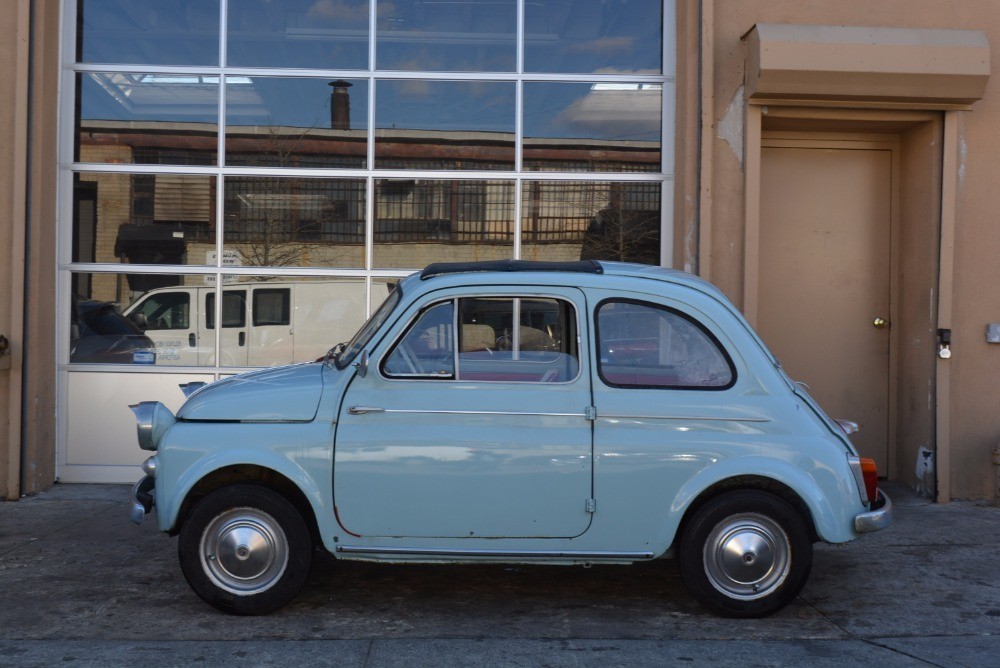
[361, 410]
[191, 340]
[243, 338]
[880, 323]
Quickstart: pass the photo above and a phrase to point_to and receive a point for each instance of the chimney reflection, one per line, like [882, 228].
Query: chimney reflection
[340, 105]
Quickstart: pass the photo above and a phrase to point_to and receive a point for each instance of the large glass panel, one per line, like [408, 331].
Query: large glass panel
[274, 320]
[598, 127]
[148, 32]
[591, 220]
[289, 122]
[447, 35]
[169, 320]
[148, 119]
[444, 125]
[294, 222]
[143, 218]
[594, 36]
[139, 319]
[422, 221]
[318, 34]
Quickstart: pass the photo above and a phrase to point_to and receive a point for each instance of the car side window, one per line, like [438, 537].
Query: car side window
[500, 339]
[233, 309]
[643, 345]
[167, 310]
[427, 350]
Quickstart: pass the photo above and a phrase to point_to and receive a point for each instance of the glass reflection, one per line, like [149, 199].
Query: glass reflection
[148, 32]
[422, 221]
[447, 35]
[137, 319]
[294, 222]
[600, 127]
[147, 118]
[291, 122]
[444, 125]
[143, 219]
[317, 34]
[266, 320]
[274, 320]
[591, 220]
[616, 36]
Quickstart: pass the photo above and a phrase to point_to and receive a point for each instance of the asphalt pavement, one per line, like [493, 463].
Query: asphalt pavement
[82, 586]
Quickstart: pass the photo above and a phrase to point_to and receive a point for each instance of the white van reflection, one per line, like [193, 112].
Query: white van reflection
[263, 323]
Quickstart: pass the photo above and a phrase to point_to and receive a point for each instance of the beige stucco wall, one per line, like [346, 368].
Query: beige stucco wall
[975, 421]
[39, 397]
[13, 152]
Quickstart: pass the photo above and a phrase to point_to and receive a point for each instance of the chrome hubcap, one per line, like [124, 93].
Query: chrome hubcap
[244, 551]
[747, 556]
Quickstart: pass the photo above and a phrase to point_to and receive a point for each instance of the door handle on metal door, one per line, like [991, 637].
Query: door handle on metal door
[361, 410]
[243, 338]
[191, 340]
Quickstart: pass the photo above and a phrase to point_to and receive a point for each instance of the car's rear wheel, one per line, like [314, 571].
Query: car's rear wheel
[745, 554]
[245, 550]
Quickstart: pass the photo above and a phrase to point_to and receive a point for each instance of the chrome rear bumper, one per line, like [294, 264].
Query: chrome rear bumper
[878, 518]
[142, 499]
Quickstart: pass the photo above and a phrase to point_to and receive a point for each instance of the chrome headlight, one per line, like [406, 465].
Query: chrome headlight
[152, 421]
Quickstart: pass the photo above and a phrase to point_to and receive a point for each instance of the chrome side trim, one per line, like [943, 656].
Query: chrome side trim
[506, 554]
[877, 519]
[692, 418]
[447, 412]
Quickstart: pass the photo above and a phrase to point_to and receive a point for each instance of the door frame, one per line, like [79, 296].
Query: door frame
[751, 266]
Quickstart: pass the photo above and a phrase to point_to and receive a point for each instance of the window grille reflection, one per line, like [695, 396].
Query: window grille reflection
[577, 220]
[275, 222]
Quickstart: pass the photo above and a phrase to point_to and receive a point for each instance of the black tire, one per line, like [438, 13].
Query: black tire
[745, 554]
[245, 550]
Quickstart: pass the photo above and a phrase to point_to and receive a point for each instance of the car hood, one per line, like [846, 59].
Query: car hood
[284, 394]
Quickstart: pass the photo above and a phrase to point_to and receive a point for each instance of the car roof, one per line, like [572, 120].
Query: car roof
[583, 273]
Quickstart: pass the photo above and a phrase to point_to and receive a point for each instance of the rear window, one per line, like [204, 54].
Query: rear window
[643, 345]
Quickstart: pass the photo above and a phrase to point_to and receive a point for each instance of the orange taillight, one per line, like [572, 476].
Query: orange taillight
[870, 473]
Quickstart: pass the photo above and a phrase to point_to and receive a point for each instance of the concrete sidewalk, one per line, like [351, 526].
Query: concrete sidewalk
[81, 585]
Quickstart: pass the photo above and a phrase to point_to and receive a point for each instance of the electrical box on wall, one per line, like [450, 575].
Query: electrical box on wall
[993, 332]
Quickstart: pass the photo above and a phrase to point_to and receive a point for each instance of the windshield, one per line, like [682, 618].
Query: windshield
[361, 339]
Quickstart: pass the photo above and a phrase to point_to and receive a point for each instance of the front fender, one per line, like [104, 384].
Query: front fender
[303, 453]
[832, 502]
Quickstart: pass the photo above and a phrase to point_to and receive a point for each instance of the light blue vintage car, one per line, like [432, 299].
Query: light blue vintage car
[521, 412]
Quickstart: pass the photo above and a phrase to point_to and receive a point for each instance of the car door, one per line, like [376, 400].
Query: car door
[671, 400]
[471, 421]
[233, 349]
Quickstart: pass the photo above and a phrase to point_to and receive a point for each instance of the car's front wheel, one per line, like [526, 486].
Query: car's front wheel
[245, 550]
[746, 553]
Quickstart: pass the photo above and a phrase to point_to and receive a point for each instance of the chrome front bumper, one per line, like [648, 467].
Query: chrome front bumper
[878, 518]
[142, 499]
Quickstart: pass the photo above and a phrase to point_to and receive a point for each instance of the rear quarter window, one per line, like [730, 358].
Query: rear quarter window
[645, 345]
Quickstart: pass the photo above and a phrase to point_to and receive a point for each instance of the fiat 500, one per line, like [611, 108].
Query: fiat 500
[514, 412]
